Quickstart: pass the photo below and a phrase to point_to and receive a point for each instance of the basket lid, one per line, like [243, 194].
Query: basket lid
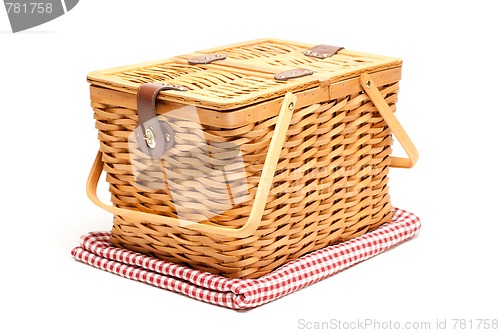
[244, 73]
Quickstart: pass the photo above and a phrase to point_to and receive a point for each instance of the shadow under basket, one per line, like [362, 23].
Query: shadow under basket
[238, 159]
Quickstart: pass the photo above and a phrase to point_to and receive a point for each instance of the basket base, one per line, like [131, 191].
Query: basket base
[242, 258]
[96, 250]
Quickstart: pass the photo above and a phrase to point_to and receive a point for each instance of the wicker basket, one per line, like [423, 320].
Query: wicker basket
[308, 126]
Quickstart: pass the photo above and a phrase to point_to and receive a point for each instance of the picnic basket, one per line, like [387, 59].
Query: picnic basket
[238, 159]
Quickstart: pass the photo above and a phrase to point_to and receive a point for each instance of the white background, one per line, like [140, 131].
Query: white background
[448, 104]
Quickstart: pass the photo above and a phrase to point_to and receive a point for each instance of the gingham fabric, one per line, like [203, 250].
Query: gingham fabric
[96, 251]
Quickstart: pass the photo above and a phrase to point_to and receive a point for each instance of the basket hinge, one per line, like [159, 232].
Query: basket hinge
[292, 74]
[206, 59]
[322, 51]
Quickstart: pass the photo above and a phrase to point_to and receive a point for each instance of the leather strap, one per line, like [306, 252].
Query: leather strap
[150, 134]
[206, 59]
[292, 74]
[322, 51]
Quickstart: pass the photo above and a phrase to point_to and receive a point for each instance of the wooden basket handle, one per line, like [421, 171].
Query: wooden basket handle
[383, 108]
[265, 182]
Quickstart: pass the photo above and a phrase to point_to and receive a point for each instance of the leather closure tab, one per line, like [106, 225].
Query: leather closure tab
[292, 74]
[322, 51]
[153, 138]
[206, 59]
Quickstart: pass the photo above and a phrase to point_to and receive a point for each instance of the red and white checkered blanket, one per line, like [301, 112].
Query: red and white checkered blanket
[96, 251]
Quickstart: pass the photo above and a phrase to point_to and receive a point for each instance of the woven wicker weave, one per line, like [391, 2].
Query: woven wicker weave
[331, 181]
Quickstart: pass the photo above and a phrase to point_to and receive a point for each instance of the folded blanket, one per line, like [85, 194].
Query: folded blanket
[96, 251]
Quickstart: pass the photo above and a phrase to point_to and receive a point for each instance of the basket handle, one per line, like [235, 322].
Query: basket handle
[265, 182]
[383, 108]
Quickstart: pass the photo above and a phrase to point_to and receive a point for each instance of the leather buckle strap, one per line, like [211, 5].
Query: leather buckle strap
[153, 137]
